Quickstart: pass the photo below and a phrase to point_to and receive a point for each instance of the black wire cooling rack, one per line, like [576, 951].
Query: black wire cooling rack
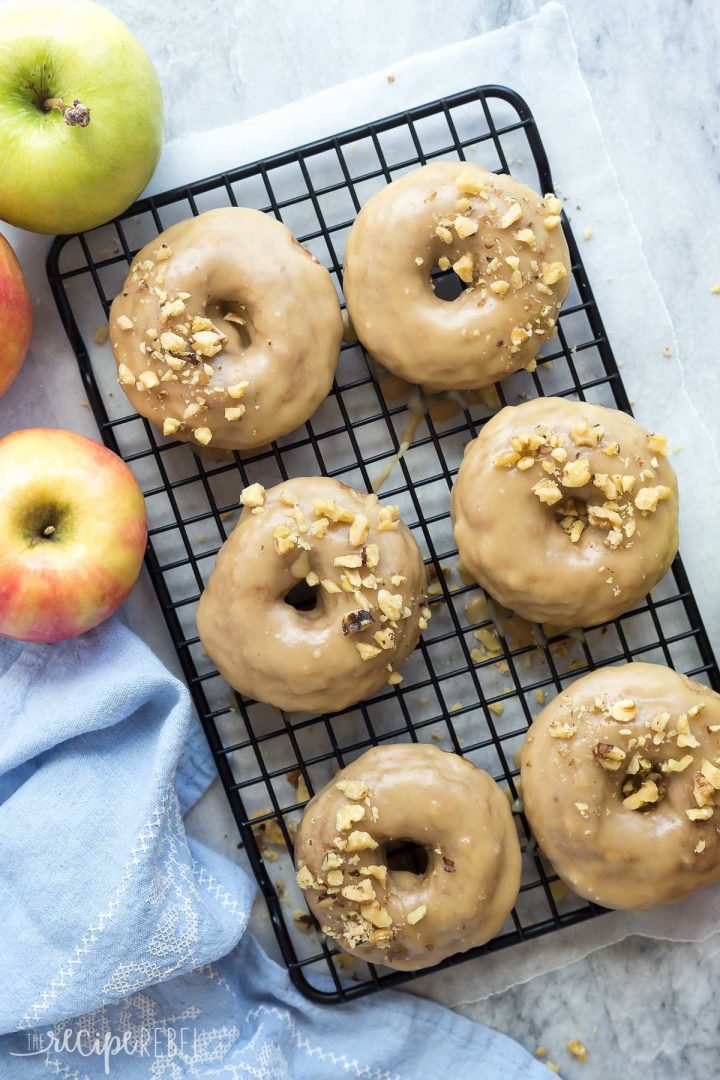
[472, 689]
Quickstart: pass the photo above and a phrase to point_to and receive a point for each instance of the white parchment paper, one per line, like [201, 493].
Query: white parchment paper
[536, 57]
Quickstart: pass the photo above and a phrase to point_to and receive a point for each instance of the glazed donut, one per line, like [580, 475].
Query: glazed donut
[566, 512]
[619, 781]
[363, 582]
[436, 800]
[502, 239]
[227, 331]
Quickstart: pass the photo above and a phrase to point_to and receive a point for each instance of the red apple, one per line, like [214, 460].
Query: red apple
[15, 316]
[73, 531]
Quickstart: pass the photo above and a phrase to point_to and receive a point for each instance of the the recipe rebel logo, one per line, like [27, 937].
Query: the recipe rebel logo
[157, 1043]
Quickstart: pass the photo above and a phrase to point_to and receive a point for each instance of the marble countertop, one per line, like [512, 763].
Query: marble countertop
[643, 1006]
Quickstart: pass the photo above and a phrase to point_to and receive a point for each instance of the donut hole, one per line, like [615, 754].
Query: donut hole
[405, 856]
[231, 316]
[448, 286]
[303, 598]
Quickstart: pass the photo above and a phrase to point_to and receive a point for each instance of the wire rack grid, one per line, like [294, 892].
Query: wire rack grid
[470, 686]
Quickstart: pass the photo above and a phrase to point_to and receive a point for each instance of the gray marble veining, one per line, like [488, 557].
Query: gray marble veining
[642, 1007]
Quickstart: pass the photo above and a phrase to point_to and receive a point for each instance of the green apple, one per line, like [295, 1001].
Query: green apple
[81, 115]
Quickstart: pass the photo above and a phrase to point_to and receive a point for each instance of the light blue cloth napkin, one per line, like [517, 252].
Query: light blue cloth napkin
[104, 902]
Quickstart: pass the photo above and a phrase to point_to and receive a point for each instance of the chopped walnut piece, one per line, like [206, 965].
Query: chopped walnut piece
[170, 425]
[526, 236]
[353, 789]
[511, 215]
[147, 380]
[648, 498]
[389, 518]
[331, 860]
[125, 376]
[360, 841]
[467, 183]
[547, 492]
[359, 530]
[443, 263]
[675, 765]
[699, 847]
[583, 809]
[703, 790]
[391, 604]
[238, 389]
[578, 1049]
[551, 222]
[623, 711]
[711, 773]
[553, 272]
[499, 287]
[658, 444]
[465, 227]
[304, 878]
[464, 267]
[375, 914]
[330, 586]
[576, 473]
[646, 794]
[385, 638]
[367, 652]
[361, 893]
[203, 435]
[350, 562]
[609, 756]
[354, 622]
[444, 234]
[171, 310]
[347, 816]
[562, 729]
[418, 914]
[124, 322]
[172, 342]
[235, 413]
[703, 814]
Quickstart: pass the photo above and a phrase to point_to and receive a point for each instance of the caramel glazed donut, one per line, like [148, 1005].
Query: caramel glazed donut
[619, 780]
[566, 512]
[437, 800]
[366, 605]
[226, 330]
[502, 239]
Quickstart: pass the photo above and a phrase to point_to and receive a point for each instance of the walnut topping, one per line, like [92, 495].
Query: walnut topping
[684, 735]
[711, 774]
[443, 263]
[361, 893]
[623, 711]
[124, 322]
[330, 586]
[658, 444]
[675, 765]
[360, 841]
[648, 498]
[551, 203]
[576, 473]
[359, 530]
[583, 809]
[347, 816]
[147, 380]
[170, 426]
[562, 729]
[444, 234]
[125, 376]
[235, 414]
[609, 756]
[367, 652]
[647, 794]
[699, 847]
[465, 227]
[551, 221]
[353, 789]
[464, 267]
[553, 272]
[354, 622]
[703, 790]
[304, 878]
[499, 287]
[388, 519]
[385, 639]
[526, 236]
[418, 914]
[703, 814]
[238, 389]
[203, 435]
[547, 491]
[350, 562]
[511, 215]
[171, 309]
[377, 915]
[331, 861]
[469, 184]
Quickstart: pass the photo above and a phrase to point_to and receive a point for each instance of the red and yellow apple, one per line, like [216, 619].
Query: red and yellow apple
[15, 316]
[73, 531]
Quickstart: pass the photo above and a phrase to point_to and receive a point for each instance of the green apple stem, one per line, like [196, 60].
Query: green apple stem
[75, 115]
